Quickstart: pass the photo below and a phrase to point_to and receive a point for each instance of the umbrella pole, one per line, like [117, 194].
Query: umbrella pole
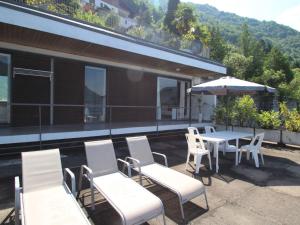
[226, 102]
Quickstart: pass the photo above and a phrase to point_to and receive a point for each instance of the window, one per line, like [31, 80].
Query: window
[4, 88]
[95, 94]
[172, 99]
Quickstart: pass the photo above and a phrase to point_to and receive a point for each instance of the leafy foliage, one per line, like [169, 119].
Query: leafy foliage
[291, 118]
[269, 120]
[286, 38]
[244, 110]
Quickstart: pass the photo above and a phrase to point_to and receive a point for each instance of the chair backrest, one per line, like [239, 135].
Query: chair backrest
[101, 157]
[193, 130]
[257, 141]
[209, 129]
[41, 170]
[139, 148]
[193, 143]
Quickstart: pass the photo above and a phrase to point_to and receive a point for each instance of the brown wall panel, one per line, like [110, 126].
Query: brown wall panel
[28, 89]
[68, 89]
[131, 88]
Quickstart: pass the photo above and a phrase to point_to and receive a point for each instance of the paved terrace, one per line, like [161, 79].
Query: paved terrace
[237, 195]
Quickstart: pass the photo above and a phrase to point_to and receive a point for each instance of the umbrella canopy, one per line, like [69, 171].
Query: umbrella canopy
[230, 85]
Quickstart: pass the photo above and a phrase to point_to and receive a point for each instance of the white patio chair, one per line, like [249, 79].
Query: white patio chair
[254, 147]
[134, 204]
[185, 187]
[198, 150]
[45, 198]
[194, 131]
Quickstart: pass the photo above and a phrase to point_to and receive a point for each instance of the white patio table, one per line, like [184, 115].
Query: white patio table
[222, 136]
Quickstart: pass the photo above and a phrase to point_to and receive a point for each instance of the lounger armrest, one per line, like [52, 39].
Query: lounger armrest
[137, 164]
[18, 191]
[67, 171]
[162, 155]
[87, 172]
[128, 166]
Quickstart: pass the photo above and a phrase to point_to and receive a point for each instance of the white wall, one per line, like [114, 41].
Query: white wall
[208, 103]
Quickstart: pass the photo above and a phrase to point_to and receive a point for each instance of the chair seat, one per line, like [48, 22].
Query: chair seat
[188, 187]
[131, 199]
[52, 206]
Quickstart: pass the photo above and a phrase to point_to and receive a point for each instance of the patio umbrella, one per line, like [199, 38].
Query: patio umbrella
[229, 86]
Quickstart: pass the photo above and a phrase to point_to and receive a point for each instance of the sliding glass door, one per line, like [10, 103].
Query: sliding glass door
[95, 94]
[172, 99]
[5, 64]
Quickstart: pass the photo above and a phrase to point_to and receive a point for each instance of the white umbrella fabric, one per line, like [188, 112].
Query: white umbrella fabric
[229, 86]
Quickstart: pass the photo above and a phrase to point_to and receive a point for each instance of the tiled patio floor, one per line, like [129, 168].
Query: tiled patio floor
[237, 195]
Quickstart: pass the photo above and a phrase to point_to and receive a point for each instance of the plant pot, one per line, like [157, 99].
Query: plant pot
[270, 135]
[289, 137]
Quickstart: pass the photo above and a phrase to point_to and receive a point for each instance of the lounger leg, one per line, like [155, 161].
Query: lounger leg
[92, 195]
[164, 218]
[248, 154]
[181, 210]
[206, 200]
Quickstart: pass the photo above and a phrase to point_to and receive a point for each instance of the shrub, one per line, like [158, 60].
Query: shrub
[244, 110]
[292, 123]
[269, 120]
[291, 118]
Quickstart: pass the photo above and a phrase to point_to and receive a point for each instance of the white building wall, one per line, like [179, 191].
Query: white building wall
[208, 103]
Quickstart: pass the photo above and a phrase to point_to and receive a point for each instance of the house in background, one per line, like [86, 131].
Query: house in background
[63, 79]
[118, 7]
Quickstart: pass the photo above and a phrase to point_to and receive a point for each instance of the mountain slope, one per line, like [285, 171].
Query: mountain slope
[285, 37]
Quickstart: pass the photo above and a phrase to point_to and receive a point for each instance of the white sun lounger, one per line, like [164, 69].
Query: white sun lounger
[134, 203]
[45, 198]
[184, 186]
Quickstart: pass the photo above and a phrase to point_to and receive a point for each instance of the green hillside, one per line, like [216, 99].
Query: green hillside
[230, 24]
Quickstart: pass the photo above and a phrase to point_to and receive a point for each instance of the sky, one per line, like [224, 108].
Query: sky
[285, 12]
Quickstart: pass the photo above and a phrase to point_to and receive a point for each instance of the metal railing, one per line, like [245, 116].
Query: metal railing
[84, 121]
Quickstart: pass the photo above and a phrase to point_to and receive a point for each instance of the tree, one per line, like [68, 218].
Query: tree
[112, 20]
[237, 64]
[218, 48]
[170, 16]
[276, 61]
[185, 19]
[245, 40]
[256, 67]
[244, 110]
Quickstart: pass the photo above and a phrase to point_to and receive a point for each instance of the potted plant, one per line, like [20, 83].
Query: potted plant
[244, 114]
[291, 122]
[269, 122]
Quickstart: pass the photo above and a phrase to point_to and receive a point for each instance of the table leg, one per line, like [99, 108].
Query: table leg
[216, 153]
[237, 152]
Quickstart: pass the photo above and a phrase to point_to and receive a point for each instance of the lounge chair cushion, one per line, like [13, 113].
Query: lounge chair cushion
[101, 157]
[131, 199]
[41, 170]
[188, 187]
[140, 149]
[52, 206]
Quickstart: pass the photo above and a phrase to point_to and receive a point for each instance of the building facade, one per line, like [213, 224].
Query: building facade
[70, 80]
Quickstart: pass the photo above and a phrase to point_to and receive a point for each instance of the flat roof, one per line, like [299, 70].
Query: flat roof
[27, 17]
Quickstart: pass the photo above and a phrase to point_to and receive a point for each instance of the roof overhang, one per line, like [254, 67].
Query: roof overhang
[25, 17]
